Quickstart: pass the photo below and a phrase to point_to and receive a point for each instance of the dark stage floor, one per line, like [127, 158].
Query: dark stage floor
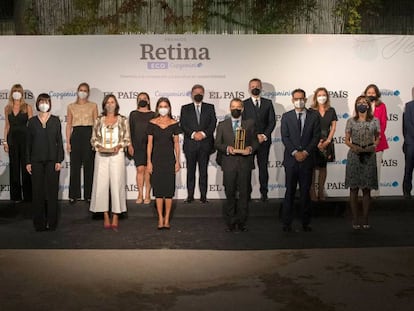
[200, 226]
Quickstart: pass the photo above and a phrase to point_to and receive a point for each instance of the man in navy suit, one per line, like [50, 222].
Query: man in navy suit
[236, 166]
[198, 122]
[300, 129]
[261, 110]
[408, 148]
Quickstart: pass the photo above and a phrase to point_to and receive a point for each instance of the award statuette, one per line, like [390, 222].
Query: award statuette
[106, 150]
[108, 146]
[240, 140]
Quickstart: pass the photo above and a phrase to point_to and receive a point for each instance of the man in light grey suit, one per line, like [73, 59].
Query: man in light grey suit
[236, 166]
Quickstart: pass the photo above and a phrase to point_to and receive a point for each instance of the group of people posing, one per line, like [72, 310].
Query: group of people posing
[98, 143]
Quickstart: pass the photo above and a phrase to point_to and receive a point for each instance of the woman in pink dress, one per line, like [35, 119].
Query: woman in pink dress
[380, 112]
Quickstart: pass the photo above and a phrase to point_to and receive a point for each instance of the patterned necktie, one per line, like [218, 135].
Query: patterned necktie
[300, 122]
[235, 126]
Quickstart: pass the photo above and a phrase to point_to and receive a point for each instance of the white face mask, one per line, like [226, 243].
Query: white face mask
[163, 111]
[82, 94]
[17, 95]
[44, 107]
[321, 99]
[299, 103]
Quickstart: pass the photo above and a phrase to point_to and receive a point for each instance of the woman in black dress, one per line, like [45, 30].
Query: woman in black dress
[138, 123]
[17, 112]
[163, 153]
[325, 152]
[44, 154]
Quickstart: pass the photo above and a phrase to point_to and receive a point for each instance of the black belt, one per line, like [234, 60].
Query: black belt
[369, 145]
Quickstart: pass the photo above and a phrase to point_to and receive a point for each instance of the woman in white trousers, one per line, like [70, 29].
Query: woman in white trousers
[109, 138]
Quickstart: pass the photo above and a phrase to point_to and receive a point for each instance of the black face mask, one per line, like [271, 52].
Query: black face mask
[362, 108]
[372, 98]
[198, 98]
[236, 113]
[256, 91]
[142, 103]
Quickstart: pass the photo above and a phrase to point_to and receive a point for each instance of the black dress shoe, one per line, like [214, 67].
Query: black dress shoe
[242, 228]
[203, 200]
[287, 228]
[264, 198]
[307, 228]
[72, 201]
[188, 200]
[407, 195]
[229, 228]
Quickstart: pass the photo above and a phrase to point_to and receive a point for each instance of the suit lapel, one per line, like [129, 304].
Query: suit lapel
[193, 111]
[294, 122]
[230, 126]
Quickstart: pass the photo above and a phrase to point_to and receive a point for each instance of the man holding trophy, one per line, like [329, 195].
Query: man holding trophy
[236, 139]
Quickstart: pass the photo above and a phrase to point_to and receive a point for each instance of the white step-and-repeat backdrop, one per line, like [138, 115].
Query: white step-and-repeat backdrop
[168, 65]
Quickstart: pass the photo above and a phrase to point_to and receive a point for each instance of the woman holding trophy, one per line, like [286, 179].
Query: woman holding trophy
[110, 136]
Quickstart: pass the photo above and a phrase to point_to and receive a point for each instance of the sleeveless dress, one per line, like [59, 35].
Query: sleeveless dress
[328, 155]
[163, 159]
[20, 180]
[138, 123]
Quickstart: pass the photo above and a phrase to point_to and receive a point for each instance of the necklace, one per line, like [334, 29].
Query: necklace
[43, 120]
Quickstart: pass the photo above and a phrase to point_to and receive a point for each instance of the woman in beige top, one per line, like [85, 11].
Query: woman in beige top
[110, 136]
[80, 119]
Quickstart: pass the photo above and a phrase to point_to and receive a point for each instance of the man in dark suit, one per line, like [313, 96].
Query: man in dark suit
[236, 165]
[261, 110]
[198, 122]
[408, 148]
[300, 129]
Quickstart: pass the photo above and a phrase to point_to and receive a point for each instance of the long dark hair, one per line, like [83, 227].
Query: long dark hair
[159, 101]
[377, 93]
[369, 111]
[145, 94]
[105, 100]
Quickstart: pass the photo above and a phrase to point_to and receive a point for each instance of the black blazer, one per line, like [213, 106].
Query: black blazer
[188, 123]
[225, 137]
[44, 144]
[408, 123]
[264, 117]
[292, 139]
